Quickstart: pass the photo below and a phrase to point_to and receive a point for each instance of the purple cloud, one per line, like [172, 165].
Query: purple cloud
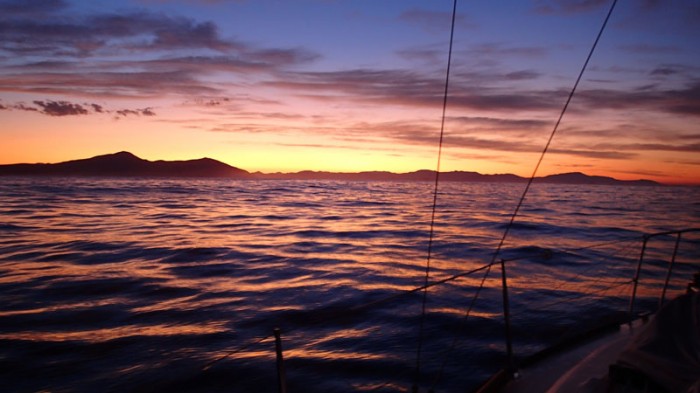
[499, 50]
[434, 21]
[569, 6]
[22, 107]
[98, 39]
[75, 36]
[468, 91]
[60, 108]
[685, 100]
[646, 49]
[65, 108]
[32, 8]
[135, 112]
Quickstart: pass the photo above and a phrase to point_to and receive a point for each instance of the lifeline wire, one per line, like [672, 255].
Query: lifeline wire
[486, 267]
[537, 166]
[387, 299]
[235, 351]
[551, 136]
[391, 298]
[435, 196]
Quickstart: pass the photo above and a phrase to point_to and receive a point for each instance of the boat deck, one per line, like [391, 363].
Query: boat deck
[581, 369]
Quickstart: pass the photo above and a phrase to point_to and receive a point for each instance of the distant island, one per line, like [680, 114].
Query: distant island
[125, 164]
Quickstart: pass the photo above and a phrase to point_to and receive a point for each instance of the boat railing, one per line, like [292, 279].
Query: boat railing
[510, 370]
[646, 238]
[653, 253]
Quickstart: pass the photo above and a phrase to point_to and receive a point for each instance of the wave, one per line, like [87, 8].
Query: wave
[138, 285]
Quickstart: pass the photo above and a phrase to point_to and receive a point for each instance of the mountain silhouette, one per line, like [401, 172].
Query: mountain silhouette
[581, 178]
[125, 164]
[454, 176]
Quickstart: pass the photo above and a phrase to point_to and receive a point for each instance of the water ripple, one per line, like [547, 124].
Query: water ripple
[137, 285]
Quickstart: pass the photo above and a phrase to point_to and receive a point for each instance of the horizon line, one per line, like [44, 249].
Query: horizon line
[343, 173]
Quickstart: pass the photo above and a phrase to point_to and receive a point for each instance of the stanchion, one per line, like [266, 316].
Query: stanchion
[281, 377]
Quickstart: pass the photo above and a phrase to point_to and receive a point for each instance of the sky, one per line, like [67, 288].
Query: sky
[355, 85]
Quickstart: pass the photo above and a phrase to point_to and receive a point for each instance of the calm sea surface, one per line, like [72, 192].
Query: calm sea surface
[176, 285]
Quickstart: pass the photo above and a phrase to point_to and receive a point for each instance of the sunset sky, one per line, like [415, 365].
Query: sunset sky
[354, 85]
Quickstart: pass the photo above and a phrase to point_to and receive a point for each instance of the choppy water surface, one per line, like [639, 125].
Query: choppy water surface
[145, 285]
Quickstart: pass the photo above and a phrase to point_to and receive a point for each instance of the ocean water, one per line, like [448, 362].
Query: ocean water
[152, 285]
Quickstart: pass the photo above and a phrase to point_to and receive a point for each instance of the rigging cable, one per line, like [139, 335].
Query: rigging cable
[487, 267]
[435, 196]
[388, 299]
[240, 349]
[551, 136]
[534, 173]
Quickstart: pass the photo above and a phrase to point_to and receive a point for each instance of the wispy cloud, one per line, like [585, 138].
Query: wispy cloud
[60, 108]
[499, 50]
[66, 108]
[645, 48]
[15, 8]
[593, 153]
[270, 60]
[109, 84]
[23, 33]
[568, 6]
[129, 54]
[684, 100]
[425, 54]
[177, 71]
[684, 162]
[689, 148]
[434, 21]
[482, 124]
[23, 107]
[136, 112]
[399, 87]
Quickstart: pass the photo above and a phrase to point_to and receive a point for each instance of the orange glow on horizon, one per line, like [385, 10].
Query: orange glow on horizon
[286, 101]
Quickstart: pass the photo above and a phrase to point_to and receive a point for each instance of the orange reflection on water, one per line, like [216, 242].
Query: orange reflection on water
[61, 307]
[187, 303]
[373, 387]
[310, 350]
[335, 354]
[461, 311]
[106, 334]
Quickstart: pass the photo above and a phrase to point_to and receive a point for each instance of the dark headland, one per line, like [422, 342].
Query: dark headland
[125, 164]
